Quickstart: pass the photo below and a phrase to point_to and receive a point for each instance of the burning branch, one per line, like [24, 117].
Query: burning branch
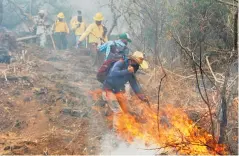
[202, 72]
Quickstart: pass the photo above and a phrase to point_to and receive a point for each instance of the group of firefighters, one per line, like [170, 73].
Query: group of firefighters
[95, 32]
[124, 66]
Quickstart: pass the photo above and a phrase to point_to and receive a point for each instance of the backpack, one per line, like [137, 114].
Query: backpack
[104, 70]
[117, 52]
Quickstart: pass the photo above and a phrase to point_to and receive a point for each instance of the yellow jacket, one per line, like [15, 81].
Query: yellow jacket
[74, 26]
[61, 27]
[95, 32]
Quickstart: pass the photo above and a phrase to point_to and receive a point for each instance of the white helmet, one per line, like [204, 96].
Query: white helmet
[41, 12]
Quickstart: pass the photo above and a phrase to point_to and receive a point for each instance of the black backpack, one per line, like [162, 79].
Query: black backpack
[117, 52]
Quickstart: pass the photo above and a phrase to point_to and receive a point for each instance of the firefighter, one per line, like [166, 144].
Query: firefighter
[61, 30]
[122, 72]
[97, 35]
[40, 27]
[78, 26]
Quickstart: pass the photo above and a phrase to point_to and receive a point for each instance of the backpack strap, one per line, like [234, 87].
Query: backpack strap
[125, 47]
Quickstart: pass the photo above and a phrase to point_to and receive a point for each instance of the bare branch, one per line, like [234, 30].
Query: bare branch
[187, 51]
[21, 10]
[210, 68]
[228, 3]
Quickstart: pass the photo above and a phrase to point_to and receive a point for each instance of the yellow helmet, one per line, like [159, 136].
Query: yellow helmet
[61, 15]
[98, 17]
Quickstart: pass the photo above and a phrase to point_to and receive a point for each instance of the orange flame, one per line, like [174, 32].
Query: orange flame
[174, 131]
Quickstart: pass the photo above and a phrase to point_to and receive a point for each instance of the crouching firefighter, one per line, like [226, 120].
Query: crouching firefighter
[119, 74]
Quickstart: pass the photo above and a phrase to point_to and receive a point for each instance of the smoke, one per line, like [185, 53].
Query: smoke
[112, 145]
[90, 8]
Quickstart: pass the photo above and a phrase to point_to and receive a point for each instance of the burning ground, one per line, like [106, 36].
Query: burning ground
[50, 105]
[176, 124]
[175, 133]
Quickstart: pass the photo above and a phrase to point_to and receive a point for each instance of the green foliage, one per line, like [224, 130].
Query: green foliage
[205, 20]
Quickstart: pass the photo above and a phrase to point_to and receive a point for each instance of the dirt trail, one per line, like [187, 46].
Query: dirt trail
[46, 108]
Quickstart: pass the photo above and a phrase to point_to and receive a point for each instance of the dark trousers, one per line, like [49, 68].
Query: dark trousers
[97, 56]
[60, 40]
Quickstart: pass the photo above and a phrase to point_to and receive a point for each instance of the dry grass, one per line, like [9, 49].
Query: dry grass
[179, 89]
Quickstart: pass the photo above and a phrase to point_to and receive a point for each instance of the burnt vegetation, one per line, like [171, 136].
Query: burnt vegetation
[49, 97]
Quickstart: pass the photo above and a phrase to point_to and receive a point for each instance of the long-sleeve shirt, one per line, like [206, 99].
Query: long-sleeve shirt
[120, 46]
[61, 26]
[79, 30]
[95, 33]
[118, 76]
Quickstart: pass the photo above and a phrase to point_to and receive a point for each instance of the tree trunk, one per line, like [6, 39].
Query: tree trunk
[30, 11]
[156, 44]
[115, 18]
[1, 11]
[223, 110]
[235, 30]
[114, 24]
